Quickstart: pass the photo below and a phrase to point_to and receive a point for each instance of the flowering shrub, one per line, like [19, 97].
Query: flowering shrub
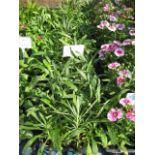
[115, 39]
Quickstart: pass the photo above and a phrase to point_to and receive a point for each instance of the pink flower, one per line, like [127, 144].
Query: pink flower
[118, 43]
[110, 47]
[125, 73]
[105, 47]
[112, 17]
[112, 27]
[101, 54]
[119, 52]
[126, 42]
[132, 32]
[114, 114]
[113, 65]
[126, 101]
[103, 24]
[131, 115]
[120, 80]
[113, 46]
[106, 8]
[120, 26]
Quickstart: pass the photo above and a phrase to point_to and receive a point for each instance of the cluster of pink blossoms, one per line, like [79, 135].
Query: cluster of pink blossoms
[123, 74]
[116, 47]
[112, 17]
[106, 8]
[115, 114]
[113, 65]
[112, 27]
[131, 115]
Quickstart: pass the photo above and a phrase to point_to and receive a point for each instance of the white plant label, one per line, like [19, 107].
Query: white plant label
[25, 42]
[76, 49]
[131, 96]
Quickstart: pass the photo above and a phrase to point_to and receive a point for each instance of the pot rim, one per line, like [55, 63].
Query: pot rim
[117, 151]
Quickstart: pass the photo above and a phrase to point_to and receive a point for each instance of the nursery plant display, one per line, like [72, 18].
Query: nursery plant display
[116, 62]
[80, 103]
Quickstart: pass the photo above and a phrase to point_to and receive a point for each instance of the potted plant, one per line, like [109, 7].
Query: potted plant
[115, 40]
[121, 131]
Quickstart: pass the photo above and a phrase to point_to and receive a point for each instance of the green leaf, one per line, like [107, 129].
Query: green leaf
[41, 149]
[98, 92]
[47, 101]
[123, 149]
[89, 150]
[42, 117]
[29, 143]
[29, 128]
[55, 137]
[82, 74]
[103, 138]
[75, 133]
[71, 85]
[94, 147]
[48, 65]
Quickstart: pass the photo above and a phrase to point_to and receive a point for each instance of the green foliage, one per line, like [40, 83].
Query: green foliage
[58, 97]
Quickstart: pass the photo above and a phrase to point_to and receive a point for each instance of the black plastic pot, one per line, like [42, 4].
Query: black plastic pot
[117, 152]
[70, 151]
[21, 146]
[102, 150]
